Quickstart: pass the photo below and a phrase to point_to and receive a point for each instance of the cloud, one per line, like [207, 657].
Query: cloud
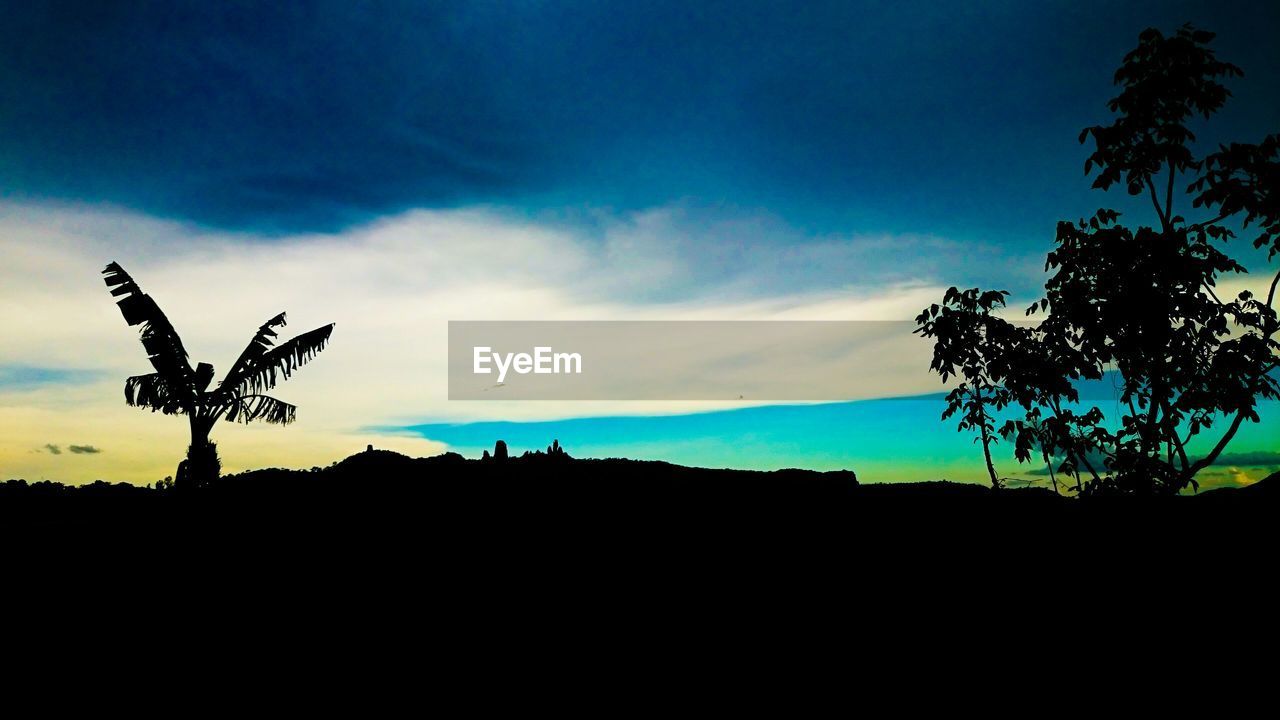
[1232, 476]
[200, 112]
[1244, 467]
[686, 250]
[27, 376]
[53, 449]
[1093, 457]
[391, 287]
[846, 114]
[1258, 458]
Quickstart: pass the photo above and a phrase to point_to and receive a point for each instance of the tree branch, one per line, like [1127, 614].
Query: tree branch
[1089, 466]
[1164, 221]
[1056, 406]
[1206, 223]
[1175, 441]
[1207, 460]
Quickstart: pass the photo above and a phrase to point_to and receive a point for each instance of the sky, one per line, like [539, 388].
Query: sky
[392, 166]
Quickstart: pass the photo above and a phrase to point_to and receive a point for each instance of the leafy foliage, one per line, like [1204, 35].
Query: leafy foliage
[1138, 302]
[972, 344]
[1166, 81]
[164, 347]
[264, 371]
[153, 392]
[1243, 178]
[176, 389]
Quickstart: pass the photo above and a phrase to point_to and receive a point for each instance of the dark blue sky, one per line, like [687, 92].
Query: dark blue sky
[870, 117]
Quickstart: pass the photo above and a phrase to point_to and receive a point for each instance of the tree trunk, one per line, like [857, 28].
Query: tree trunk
[1049, 464]
[202, 467]
[986, 452]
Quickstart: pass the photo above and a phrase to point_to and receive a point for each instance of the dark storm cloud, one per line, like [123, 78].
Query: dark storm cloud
[251, 114]
[905, 117]
[53, 449]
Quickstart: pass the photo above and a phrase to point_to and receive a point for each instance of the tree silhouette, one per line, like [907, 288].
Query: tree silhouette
[974, 345]
[1141, 302]
[176, 389]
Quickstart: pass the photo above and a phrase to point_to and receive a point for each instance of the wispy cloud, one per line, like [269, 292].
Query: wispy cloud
[16, 377]
[55, 449]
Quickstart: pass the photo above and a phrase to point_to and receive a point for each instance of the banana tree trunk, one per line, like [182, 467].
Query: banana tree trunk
[201, 467]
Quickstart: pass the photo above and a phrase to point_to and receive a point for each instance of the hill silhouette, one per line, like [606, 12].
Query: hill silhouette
[548, 496]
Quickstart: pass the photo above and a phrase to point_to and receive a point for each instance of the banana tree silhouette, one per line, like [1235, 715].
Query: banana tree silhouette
[176, 389]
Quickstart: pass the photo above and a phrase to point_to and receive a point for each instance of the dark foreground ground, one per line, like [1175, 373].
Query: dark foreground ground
[478, 554]
[547, 579]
